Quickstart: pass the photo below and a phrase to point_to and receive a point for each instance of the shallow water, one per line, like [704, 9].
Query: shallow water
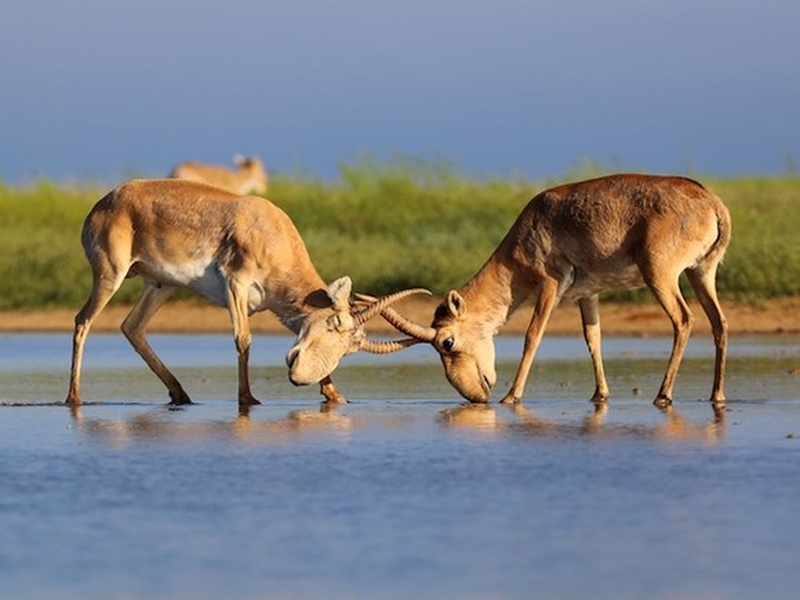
[403, 491]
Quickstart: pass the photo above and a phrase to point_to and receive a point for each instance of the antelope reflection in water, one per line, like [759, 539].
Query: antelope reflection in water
[159, 426]
[480, 417]
[485, 419]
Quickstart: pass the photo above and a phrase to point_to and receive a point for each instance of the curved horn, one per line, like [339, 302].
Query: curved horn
[407, 326]
[362, 301]
[401, 323]
[387, 347]
[373, 309]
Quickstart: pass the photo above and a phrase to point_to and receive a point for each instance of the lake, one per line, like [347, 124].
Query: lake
[403, 492]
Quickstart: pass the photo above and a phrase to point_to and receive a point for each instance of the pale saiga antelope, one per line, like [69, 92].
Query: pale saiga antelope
[573, 242]
[249, 178]
[240, 252]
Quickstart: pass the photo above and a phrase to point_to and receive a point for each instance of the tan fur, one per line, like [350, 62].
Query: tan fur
[573, 242]
[249, 178]
[240, 252]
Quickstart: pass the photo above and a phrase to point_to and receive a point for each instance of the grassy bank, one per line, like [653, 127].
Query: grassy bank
[389, 226]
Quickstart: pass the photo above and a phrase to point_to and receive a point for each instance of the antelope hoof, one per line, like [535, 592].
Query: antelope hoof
[180, 399]
[326, 406]
[510, 399]
[662, 401]
[718, 406]
[248, 401]
[334, 398]
[598, 399]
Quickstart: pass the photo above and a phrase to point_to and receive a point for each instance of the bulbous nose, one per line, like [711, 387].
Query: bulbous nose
[488, 384]
[291, 359]
[291, 356]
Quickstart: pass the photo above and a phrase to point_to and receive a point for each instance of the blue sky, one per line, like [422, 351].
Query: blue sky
[104, 90]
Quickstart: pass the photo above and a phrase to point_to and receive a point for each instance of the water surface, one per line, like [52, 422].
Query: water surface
[404, 491]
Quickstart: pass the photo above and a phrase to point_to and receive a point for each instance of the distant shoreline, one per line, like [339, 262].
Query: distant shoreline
[777, 316]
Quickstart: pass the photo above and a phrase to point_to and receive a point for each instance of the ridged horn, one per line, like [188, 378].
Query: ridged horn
[401, 323]
[376, 307]
[407, 326]
[387, 347]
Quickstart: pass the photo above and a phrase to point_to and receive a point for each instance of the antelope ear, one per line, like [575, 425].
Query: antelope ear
[455, 303]
[239, 159]
[339, 293]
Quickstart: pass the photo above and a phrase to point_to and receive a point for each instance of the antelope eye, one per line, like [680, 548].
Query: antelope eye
[335, 322]
[448, 344]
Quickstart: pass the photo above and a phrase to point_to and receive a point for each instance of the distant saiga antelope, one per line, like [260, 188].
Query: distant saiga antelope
[249, 178]
[573, 242]
[240, 252]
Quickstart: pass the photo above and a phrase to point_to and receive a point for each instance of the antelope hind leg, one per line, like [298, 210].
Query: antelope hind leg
[678, 311]
[703, 283]
[103, 288]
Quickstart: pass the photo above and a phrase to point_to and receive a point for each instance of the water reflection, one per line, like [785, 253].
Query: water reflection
[480, 417]
[674, 426]
[678, 427]
[484, 418]
[159, 425]
[180, 425]
[391, 491]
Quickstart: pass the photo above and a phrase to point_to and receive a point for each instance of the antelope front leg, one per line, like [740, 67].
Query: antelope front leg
[237, 305]
[332, 395]
[548, 298]
[590, 317]
[246, 397]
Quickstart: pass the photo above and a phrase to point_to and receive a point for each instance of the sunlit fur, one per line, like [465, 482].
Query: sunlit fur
[324, 338]
[469, 364]
[573, 242]
[240, 252]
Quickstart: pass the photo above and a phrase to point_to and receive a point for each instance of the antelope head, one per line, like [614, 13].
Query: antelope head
[464, 343]
[255, 168]
[333, 328]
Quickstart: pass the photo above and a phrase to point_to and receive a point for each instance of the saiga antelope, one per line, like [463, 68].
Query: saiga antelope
[573, 242]
[250, 178]
[241, 252]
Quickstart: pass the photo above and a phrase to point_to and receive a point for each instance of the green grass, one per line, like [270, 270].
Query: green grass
[388, 226]
[763, 259]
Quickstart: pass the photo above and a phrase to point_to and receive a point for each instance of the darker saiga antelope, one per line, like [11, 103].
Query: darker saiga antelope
[573, 242]
[240, 252]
